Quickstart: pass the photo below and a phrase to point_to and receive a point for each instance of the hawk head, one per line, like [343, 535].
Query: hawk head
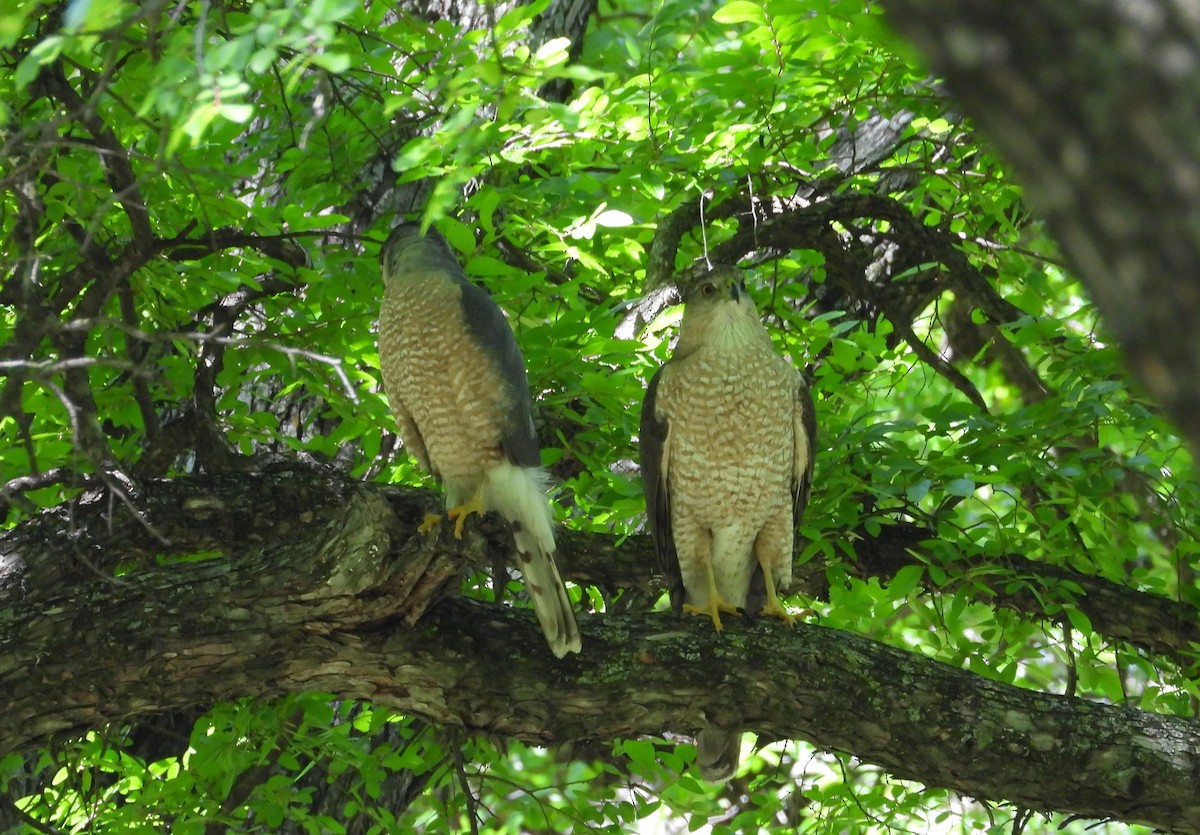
[407, 251]
[718, 310]
[721, 283]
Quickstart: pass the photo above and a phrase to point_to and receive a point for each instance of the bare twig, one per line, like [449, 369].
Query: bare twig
[43, 369]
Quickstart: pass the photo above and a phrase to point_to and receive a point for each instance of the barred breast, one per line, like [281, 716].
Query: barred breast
[731, 436]
[438, 374]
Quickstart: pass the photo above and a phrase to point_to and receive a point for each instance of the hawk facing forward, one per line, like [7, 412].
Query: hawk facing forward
[456, 382]
[726, 447]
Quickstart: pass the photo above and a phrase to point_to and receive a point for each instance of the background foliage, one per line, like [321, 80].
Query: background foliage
[192, 199]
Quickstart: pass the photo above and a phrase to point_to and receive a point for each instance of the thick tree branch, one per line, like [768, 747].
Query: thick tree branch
[1036, 590]
[920, 719]
[810, 225]
[192, 247]
[260, 585]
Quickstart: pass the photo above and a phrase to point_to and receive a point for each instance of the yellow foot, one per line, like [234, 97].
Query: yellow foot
[459, 514]
[716, 605]
[775, 609]
[430, 522]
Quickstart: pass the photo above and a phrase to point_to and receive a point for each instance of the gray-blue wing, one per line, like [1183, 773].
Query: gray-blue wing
[491, 330]
[406, 250]
[653, 436]
[802, 471]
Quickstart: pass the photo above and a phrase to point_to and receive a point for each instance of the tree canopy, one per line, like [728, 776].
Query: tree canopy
[216, 612]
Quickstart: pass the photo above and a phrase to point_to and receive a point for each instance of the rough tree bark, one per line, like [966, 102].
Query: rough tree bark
[203, 589]
[1096, 104]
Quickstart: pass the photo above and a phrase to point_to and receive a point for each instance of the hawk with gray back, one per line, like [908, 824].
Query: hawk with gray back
[456, 382]
[726, 447]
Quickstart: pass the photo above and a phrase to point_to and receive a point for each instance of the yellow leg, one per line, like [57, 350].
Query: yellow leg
[459, 514]
[430, 522]
[716, 603]
[773, 608]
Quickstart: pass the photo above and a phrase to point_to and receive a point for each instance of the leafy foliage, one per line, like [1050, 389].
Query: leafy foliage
[193, 199]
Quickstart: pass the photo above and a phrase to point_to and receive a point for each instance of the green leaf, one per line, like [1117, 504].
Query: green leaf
[334, 62]
[1078, 620]
[419, 153]
[43, 53]
[740, 11]
[642, 755]
[236, 112]
[905, 580]
[553, 52]
[613, 219]
[918, 491]
[960, 487]
[91, 14]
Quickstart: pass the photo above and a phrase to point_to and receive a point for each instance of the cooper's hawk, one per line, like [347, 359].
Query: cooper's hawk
[726, 449]
[456, 382]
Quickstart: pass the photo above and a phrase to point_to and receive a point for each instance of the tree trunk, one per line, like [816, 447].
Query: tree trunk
[294, 580]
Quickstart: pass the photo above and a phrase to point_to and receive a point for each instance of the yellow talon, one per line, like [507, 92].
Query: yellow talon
[776, 610]
[460, 513]
[773, 608]
[713, 610]
[716, 603]
[430, 522]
